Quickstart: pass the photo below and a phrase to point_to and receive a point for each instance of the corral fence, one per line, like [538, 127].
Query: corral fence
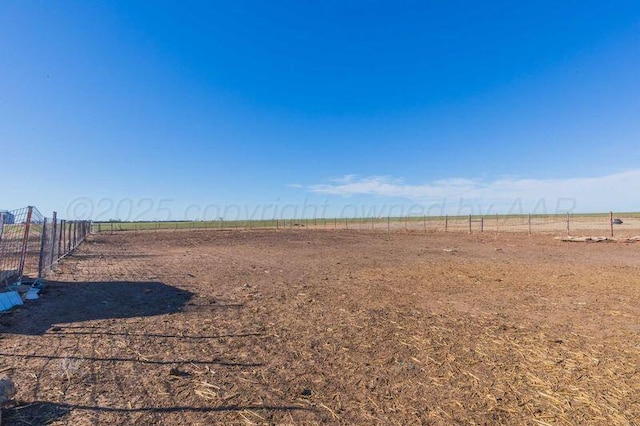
[30, 243]
[605, 224]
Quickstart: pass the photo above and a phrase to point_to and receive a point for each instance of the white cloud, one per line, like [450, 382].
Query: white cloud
[619, 191]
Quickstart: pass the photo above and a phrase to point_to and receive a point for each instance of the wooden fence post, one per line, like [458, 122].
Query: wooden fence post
[469, 223]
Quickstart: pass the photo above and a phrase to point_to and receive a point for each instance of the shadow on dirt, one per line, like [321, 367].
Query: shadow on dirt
[38, 413]
[70, 302]
[214, 361]
[96, 331]
[42, 413]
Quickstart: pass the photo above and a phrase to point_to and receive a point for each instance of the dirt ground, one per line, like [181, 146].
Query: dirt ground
[338, 327]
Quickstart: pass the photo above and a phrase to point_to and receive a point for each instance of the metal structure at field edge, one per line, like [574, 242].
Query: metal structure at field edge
[30, 243]
[7, 217]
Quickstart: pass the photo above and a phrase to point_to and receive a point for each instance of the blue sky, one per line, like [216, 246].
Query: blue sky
[167, 110]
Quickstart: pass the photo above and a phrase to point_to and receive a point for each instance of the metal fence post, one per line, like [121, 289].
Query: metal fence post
[25, 241]
[69, 237]
[43, 240]
[446, 223]
[611, 223]
[54, 234]
[60, 238]
[529, 217]
[567, 223]
[469, 223]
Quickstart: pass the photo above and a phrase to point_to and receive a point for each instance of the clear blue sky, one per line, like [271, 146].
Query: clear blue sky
[167, 108]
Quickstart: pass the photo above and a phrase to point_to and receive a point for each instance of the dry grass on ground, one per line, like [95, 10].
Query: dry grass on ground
[308, 327]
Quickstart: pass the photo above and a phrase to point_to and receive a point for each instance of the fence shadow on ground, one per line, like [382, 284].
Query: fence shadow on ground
[72, 330]
[41, 412]
[72, 302]
[112, 359]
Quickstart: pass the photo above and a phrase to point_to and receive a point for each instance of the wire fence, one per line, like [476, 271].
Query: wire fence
[30, 243]
[606, 224]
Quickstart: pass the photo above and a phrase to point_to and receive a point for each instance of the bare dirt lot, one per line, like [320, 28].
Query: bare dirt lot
[339, 327]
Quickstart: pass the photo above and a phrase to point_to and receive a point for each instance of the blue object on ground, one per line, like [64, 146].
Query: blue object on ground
[9, 299]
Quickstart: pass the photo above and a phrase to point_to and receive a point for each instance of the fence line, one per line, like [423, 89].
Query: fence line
[30, 243]
[559, 224]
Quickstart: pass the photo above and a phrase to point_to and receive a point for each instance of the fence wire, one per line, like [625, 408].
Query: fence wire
[30, 243]
[557, 224]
